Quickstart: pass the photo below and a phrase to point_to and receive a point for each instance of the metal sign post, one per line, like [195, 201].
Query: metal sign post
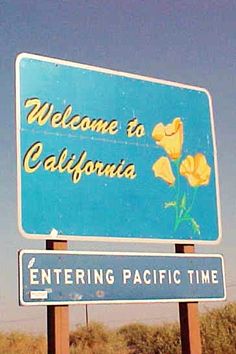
[86, 315]
[57, 316]
[189, 318]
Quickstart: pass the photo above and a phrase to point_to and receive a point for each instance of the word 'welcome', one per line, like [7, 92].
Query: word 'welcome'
[42, 113]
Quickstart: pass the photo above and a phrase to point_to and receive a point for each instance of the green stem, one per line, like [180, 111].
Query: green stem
[186, 216]
[193, 200]
[177, 163]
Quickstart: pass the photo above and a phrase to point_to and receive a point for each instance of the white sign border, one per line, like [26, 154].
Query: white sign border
[121, 239]
[180, 255]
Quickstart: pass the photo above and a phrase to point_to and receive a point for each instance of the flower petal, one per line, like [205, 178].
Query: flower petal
[170, 137]
[162, 168]
[196, 170]
[158, 132]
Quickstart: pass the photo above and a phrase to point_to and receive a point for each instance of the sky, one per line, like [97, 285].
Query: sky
[191, 42]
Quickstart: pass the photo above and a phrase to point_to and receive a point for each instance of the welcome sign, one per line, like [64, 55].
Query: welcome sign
[104, 155]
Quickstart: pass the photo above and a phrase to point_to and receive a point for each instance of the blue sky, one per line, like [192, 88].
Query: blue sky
[191, 42]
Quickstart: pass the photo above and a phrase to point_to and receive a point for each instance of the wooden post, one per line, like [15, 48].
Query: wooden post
[57, 316]
[189, 318]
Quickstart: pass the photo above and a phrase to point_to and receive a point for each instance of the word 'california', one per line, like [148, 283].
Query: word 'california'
[74, 166]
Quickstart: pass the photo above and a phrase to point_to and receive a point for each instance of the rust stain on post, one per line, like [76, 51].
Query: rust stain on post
[57, 316]
[189, 318]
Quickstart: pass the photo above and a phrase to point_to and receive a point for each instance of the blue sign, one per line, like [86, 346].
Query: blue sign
[56, 277]
[104, 155]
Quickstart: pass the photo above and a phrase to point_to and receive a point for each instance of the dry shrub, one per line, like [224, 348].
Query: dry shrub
[218, 330]
[20, 343]
[138, 338]
[218, 334]
[166, 339]
[96, 339]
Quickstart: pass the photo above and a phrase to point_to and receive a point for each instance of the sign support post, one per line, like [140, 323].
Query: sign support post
[189, 319]
[57, 316]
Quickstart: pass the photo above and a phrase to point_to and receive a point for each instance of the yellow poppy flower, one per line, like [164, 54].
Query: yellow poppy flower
[162, 169]
[170, 137]
[196, 170]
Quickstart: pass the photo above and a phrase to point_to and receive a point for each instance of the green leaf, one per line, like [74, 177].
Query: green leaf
[169, 205]
[183, 202]
[195, 226]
